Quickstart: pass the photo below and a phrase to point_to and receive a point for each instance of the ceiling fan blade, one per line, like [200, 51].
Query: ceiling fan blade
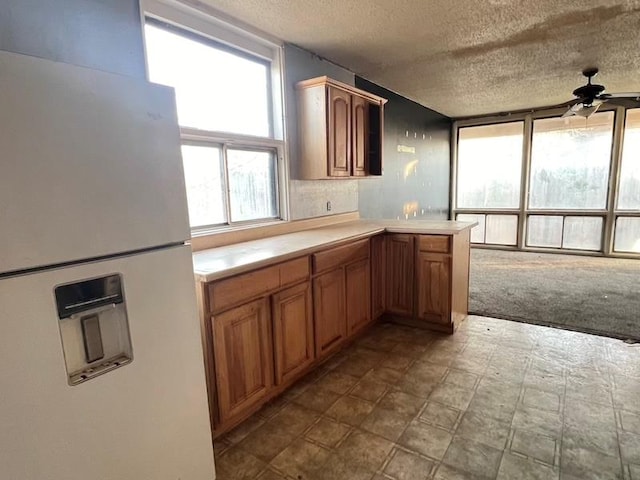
[620, 95]
[573, 109]
[624, 102]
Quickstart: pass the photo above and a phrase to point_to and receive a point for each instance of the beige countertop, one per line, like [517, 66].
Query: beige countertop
[229, 260]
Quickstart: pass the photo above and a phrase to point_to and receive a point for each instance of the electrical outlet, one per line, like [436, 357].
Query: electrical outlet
[328, 206]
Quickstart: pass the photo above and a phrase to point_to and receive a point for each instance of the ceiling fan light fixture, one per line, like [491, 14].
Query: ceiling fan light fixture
[587, 111]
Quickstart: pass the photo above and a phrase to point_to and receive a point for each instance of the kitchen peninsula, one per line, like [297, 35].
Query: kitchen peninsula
[271, 309]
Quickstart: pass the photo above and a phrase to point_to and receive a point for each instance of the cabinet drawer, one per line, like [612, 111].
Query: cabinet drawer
[435, 243]
[340, 255]
[294, 271]
[236, 290]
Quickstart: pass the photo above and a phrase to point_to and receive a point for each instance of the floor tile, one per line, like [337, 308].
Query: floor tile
[316, 398]
[514, 467]
[630, 422]
[337, 382]
[634, 472]
[588, 464]
[350, 410]
[338, 468]
[480, 460]
[268, 440]
[452, 395]
[541, 399]
[365, 450]
[327, 432]
[269, 475]
[462, 379]
[440, 357]
[386, 424]
[397, 362]
[603, 441]
[402, 403]
[384, 375]
[483, 429]
[534, 445]
[368, 390]
[440, 415]
[589, 415]
[426, 439]
[539, 421]
[445, 472]
[626, 396]
[408, 466]
[300, 459]
[630, 447]
[236, 464]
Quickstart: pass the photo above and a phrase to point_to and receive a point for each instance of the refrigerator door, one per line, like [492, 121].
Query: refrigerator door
[91, 164]
[146, 420]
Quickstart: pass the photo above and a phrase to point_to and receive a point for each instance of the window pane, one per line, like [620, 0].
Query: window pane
[627, 235]
[502, 229]
[215, 89]
[204, 185]
[570, 162]
[252, 184]
[629, 191]
[582, 233]
[477, 232]
[544, 231]
[489, 164]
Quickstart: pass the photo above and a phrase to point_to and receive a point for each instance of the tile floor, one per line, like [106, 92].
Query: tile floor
[497, 399]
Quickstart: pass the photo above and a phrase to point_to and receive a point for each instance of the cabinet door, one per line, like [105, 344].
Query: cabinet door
[292, 331]
[339, 133]
[400, 273]
[434, 287]
[243, 357]
[378, 268]
[329, 310]
[358, 277]
[360, 136]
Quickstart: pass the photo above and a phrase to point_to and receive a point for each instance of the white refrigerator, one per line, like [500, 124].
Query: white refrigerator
[101, 369]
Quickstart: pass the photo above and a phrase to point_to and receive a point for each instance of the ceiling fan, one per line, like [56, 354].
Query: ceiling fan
[589, 97]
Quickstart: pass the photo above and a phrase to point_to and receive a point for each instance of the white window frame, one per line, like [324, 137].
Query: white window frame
[220, 29]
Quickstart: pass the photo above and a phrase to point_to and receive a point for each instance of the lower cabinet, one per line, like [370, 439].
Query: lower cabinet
[266, 328]
[243, 357]
[329, 311]
[294, 348]
[400, 252]
[434, 287]
[358, 299]
[378, 276]
[428, 279]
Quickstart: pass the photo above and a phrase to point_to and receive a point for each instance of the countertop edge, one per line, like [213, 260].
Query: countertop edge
[375, 230]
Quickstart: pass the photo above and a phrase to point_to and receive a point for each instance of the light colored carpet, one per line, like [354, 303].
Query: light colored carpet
[589, 294]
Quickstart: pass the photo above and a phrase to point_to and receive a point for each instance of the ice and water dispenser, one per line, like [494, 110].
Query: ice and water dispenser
[93, 326]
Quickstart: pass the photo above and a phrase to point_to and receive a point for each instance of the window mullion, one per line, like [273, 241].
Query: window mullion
[524, 181]
[614, 181]
[225, 184]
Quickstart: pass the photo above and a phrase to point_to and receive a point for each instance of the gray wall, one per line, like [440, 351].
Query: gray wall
[413, 185]
[309, 198]
[99, 34]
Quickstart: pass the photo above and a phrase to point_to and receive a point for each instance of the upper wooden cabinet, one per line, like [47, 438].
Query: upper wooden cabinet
[340, 130]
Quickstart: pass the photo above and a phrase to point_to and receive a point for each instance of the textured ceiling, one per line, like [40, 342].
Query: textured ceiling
[463, 57]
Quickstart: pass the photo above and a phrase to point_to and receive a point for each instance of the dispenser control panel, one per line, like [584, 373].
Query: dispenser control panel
[94, 327]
